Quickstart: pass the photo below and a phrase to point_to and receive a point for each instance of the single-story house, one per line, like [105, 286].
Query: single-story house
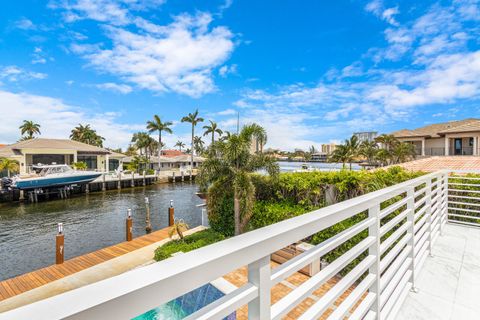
[442, 139]
[60, 151]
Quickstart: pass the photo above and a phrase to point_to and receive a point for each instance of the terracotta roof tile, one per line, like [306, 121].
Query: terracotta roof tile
[441, 163]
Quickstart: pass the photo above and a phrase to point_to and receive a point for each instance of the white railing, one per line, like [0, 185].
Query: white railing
[464, 197]
[395, 229]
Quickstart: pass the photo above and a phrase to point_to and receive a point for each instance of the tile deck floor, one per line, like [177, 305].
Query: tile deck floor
[449, 282]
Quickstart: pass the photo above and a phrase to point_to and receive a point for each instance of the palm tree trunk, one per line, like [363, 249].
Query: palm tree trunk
[236, 209]
[213, 138]
[191, 158]
[159, 147]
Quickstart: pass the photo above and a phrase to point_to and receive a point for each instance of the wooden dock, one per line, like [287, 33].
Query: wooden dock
[23, 283]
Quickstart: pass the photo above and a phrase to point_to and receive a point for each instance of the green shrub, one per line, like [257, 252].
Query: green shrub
[191, 242]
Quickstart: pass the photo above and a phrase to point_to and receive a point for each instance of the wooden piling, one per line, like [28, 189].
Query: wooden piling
[144, 179]
[59, 245]
[148, 225]
[171, 214]
[173, 176]
[132, 183]
[104, 185]
[119, 185]
[183, 176]
[129, 225]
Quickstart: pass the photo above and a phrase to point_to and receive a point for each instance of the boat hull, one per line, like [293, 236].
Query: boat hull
[55, 181]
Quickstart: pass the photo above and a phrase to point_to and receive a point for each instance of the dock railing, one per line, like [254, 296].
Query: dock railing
[383, 250]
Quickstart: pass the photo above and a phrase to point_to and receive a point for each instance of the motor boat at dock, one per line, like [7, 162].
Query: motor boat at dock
[50, 176]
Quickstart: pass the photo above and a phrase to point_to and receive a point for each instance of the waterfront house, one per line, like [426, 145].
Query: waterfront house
[171, 159]
[452, 138]
[60, 151]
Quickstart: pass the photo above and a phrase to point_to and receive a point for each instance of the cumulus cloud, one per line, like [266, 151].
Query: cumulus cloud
[121, 88]
[13, 74]
[378, 9]
[226, 70]
[58, 118]
[178, 57]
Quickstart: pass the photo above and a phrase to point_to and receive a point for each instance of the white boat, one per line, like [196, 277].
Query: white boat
[49, 176]
[305, 168]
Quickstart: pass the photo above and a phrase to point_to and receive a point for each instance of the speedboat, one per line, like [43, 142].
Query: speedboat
[49, 176]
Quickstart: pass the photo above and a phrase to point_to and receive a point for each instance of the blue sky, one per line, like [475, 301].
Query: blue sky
[308, 71]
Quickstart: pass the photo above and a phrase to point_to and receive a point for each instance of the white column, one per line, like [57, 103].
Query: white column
[423, 147]
[107, 164]
[446, 146]
[475, 141]
[75, 157]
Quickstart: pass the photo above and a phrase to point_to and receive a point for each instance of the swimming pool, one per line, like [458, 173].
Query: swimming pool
[185, 305]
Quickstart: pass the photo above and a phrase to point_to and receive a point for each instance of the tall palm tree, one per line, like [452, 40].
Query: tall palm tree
[388, 141]
[403, 152]
[142, 141]
[341, 154]
[158, 125]
[180, 145]
[369, 150]
[30, 128]
[198, 144]
[9, 165]
[85, 134]
[229, 168]
[212, 129]
[194, 119]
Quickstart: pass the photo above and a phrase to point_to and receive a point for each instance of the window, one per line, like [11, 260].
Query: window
[91, 161]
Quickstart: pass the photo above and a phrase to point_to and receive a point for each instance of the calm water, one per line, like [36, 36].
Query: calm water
[323, 166]
[91, 222]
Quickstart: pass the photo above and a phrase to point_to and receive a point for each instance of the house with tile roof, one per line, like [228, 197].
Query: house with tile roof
[454, 138]
[60, 151]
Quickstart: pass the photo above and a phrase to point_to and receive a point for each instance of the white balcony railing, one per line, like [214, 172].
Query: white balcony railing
[403, 222]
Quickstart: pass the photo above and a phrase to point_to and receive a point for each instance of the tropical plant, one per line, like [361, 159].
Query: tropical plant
[227, 172]
[194, 119]
[180, 145]
[142, 141]
[347, 152]
[9, 165]
[179, 227]
[136, 163]
[388, 141]
[131, 151]
[85, 134]
[198, 144]
[80, 165]
[212, 129]
[260, 138]
[226, 135]
[30, 128]
[158, 125]
[403, 152]
[369, 150]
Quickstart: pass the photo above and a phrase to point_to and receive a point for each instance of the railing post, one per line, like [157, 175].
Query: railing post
[428, 212]
[259, 275]
[411, 231]
[374, 249]
[444, 211]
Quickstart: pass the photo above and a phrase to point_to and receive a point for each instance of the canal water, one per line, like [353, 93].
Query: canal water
[91, 222]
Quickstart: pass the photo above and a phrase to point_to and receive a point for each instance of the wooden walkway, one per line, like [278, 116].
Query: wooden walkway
[20, 284]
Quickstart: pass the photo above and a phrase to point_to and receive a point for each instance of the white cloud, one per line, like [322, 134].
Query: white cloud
[14, 74]
[121, 88]
[178, 57]
[25, 24]
[227, 112]
[116, 12]
[58, 118]
[225, 70]
[378, 9]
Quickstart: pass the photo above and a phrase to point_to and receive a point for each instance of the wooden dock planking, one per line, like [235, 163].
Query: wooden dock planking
[28, 281]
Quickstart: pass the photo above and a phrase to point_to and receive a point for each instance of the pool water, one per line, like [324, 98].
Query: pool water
[185, 305]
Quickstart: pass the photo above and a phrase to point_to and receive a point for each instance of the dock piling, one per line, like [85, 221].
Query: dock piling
[104, 185]
[183, 176]
[129, 225]
[148, 225]
[59, 245]
[144, 179]
[171, 214]
[132, 183]
[173, 176]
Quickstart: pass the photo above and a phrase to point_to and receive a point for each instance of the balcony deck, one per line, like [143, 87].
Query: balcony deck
[449, 282]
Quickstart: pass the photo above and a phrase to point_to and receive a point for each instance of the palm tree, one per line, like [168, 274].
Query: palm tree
[212, 129]
[141, 141]
[85, 134]
[369, 150]
[259, 138]
[158, 125]
[9, 165]
[179, 227]
[388, 141]
[194, 119]
[198, 144]
[180, 145]
[30, 128]
[403, 152]
[229, 168]
[341, 154]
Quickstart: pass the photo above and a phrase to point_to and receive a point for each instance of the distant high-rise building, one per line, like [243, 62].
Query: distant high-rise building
[328, 148]
[366, 135]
